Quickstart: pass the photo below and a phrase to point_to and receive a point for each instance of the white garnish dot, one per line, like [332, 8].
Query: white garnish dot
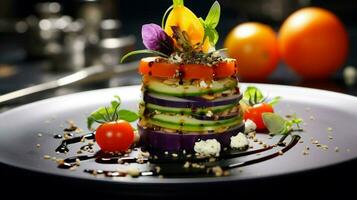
[250, 126]
[209, 147]
[239, 141]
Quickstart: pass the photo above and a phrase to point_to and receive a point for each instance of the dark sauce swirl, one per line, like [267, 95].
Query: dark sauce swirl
[169, 165]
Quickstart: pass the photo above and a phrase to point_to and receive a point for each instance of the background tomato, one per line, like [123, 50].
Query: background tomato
[313, 42]
[115, 136]
[255, 46]
[255, 112]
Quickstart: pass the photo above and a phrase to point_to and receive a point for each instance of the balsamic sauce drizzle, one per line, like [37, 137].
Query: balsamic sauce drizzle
[170, 166]
[63, 147]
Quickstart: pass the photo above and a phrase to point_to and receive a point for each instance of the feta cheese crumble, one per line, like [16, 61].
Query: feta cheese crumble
[203, 84]
[239, 141]
[249, 126]
[207, 148]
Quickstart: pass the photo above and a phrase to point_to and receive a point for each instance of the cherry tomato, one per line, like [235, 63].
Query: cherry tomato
[115, 136]
[313, 42]
[255, 46]
[255, 112]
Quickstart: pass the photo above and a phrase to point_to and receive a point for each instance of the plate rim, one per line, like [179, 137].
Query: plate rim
[173, 180]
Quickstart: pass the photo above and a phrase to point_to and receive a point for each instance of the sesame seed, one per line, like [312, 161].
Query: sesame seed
[174, 155]
[166, 153]
[39, 135]
[330, 137]
[305, 153]
[281, 152]
[53, 158]
[337, 149]
[301, 141]
[329, 129]
[38, 145]
[255, 140]
[47, 157]
[217, 171]
[315, 142]
[157, 169]
[260, 142]
[60, 161]
[78, 162]
[186, 165]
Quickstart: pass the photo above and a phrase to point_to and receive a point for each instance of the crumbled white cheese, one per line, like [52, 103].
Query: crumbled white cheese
[249, 126]
[209, 147]
[209, 113]
[239, 141]
[203, 84]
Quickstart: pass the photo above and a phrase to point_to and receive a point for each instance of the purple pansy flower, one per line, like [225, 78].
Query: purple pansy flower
[155, 38]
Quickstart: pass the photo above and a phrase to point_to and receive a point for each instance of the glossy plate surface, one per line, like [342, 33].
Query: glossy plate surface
[329, 117]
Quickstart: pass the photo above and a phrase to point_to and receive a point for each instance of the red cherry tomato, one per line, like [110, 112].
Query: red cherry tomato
[255, 112]
[115, 136]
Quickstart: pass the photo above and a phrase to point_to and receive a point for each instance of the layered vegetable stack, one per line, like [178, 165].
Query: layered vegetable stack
[190, 91]
[176, 112]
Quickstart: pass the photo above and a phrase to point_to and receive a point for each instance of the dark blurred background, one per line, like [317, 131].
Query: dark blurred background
[42, 41]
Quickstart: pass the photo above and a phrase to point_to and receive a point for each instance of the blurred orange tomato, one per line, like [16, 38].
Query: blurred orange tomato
[313, 42]
[255, 46]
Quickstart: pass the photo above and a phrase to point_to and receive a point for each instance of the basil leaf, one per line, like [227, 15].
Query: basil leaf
[100, 115]
[253, 95]
[213, 15]
[212, 35]
[276, 124]
[128, 115]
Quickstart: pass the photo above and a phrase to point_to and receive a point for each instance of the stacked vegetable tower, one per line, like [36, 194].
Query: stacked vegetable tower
[190, 91]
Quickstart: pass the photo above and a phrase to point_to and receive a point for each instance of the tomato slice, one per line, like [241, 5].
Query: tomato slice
[195, 71]
[226, 69]
[151, 66]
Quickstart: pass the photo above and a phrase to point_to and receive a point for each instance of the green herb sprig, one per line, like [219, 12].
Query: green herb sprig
[210, 24]
[253, 96]
[111, 113]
